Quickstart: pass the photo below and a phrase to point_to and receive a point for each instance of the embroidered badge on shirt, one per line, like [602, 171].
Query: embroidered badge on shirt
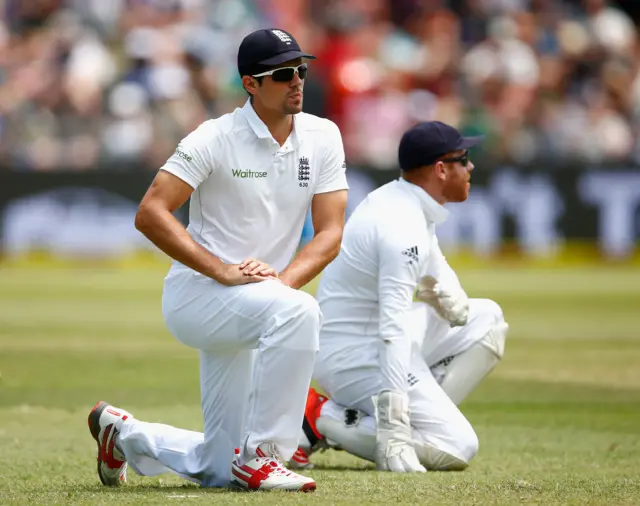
[303, 172]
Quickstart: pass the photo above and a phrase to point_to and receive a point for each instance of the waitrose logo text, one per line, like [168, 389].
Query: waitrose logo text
[247, 173]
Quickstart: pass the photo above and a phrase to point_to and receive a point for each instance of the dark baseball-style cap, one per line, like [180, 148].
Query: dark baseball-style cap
[424, 143]
[267, 48]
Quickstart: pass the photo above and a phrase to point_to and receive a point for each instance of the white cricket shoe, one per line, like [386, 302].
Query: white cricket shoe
[105, 422]
[265, 471]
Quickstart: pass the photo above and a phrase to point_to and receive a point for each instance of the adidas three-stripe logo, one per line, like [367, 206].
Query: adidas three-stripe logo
[412, 254]
[411, 379]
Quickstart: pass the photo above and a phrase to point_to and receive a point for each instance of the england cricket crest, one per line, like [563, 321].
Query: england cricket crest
[303, 172]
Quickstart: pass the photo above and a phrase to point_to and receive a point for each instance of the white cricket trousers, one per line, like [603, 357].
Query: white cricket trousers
[351, 377]
[436, 340]
[257, 345]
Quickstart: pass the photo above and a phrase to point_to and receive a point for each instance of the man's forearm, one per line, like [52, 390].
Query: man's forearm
[312, 259]
[168, 234]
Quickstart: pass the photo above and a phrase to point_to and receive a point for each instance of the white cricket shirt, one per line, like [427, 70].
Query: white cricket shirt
[389, 243]
[251, 195]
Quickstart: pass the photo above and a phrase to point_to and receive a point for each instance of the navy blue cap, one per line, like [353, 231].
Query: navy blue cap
[267, 48]
[424, 143]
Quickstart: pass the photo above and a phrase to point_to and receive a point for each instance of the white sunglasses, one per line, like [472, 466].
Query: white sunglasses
[285, 74]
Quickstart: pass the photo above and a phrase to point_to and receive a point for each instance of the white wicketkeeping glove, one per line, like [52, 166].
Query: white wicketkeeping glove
[394, 448]
[450, 303]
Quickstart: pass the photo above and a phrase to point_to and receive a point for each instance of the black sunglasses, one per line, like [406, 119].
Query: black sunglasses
[463, 159]
[285, 74]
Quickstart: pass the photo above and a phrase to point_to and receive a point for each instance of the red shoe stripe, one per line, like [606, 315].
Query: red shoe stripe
[106, 448]
[238, 474]
[300, 457]
[236, 469]
[257, 476]
[105, 437]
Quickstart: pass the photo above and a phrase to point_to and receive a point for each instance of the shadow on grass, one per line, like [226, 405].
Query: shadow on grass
[342, 468]
[153, 486]
[185, 490]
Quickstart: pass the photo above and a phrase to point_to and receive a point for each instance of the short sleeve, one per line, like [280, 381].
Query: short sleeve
[333, 166]
[192, 160]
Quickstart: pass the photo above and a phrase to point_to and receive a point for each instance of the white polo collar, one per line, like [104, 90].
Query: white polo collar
[261, 130]
[432, 210]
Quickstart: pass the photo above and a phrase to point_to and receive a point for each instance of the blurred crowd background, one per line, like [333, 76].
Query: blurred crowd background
[115, 84]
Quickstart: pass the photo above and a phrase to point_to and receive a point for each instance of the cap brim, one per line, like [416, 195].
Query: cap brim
[285, 57]
[469, 142]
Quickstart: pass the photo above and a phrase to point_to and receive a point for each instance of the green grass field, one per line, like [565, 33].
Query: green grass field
[558, 420]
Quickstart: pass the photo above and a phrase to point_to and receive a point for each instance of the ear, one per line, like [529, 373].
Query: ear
[440, 171]
[250, 84]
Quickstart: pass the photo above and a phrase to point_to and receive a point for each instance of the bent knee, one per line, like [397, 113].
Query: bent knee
[468, 445]
[491, 308]
[465, 446]
[436, 459]
[307, 307]
[496, 336]
[453, 455]
[294, 304]
[300, 313]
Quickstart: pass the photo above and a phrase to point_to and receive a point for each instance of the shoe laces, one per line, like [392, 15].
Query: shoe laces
[274, 460]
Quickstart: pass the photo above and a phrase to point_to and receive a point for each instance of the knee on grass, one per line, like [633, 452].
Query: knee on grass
[456, 458]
